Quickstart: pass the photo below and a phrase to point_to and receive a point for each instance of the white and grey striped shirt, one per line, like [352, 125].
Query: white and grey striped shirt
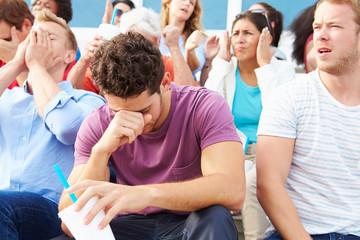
[324, 178]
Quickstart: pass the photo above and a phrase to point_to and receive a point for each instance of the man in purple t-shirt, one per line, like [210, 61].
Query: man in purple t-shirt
[178, 159]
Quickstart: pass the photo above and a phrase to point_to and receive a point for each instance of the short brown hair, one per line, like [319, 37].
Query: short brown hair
[46, 16]
[14, 12]
[355, 5]
[127, 65]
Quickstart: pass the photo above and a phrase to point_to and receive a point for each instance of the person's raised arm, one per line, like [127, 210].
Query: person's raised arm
[108, 12]
[273, 161]
[221, 67]
[15, 67]
[212, 47]
[194, 40]
[77, 73]
[182, 72]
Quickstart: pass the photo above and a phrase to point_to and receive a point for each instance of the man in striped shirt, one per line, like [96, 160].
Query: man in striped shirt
[308, 149]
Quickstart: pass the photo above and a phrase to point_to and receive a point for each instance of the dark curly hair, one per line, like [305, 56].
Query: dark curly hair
[302, 29]
[127, 65]
[276, 17]
[64, 9]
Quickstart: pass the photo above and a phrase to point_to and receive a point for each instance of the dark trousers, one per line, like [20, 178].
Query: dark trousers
[212, 223]
[327, 236]
[25, 215]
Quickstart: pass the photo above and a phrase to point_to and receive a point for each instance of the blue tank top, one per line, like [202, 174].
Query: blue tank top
[246, 108]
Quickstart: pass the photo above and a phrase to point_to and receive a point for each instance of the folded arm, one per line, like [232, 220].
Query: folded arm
[223, 182]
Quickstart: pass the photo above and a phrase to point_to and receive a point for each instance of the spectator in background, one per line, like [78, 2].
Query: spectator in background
[38, 127]
[276, 22]
[61, 8]
[308, 155]
[186, 16]
[146, 22]
[16, 22]
[246, 80]
[122, 7]
[303, 44]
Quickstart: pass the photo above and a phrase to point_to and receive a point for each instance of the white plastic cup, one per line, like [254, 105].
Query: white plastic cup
[108, 31]
[74, 221]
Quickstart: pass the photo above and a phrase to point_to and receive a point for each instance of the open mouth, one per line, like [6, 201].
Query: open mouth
[323, 50]
[184, 10]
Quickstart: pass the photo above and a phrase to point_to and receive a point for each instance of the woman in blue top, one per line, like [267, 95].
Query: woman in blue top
[185, 15]
[246, 79]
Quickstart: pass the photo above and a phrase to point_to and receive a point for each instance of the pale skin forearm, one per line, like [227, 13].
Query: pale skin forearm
[282, 212]
[95, 169]
[43, 87]
[7, 74]
[198, 193]
[182, 72]
[273, 160]
[77, 73]
[191, 59]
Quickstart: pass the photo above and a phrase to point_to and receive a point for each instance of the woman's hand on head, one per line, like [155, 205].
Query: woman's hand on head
[264, 51]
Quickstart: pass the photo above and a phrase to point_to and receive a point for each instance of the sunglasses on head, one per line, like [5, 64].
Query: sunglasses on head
[119, 12]
[263, 12]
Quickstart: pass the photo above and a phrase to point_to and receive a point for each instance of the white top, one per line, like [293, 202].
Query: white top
[324, 177]
[222, 77]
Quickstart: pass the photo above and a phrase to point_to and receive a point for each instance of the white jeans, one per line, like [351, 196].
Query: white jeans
[254, 218]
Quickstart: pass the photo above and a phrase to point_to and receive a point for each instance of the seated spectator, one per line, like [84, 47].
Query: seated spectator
[308, 139]
[122, 7]
[146, 22]
[246, 80]
[16, 21]
[174, 148]
[276, 21]
[303, 45]
[61, 8]
[38, 127]
[186, 16]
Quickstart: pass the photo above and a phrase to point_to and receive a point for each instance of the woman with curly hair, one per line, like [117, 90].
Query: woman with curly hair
[185, 15]
[303, 43]
[61, 8]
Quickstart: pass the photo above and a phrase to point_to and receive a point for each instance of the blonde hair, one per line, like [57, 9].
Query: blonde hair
[355, 5]
[46, 16]
[192, 24]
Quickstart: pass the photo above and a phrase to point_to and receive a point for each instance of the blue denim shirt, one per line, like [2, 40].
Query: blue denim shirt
[30, 145]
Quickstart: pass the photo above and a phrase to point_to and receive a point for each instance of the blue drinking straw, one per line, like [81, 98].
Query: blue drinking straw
[63, 180]
[114, 15]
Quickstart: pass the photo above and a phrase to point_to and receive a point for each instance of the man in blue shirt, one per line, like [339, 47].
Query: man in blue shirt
[38, 127]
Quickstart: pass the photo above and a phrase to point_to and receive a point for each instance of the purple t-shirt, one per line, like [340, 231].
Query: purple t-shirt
[197, 118]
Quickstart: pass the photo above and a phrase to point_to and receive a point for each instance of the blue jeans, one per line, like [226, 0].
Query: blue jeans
[328, 236]
[25, 215]
[212, 223]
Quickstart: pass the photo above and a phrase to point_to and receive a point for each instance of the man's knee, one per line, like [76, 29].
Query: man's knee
[211, 223]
